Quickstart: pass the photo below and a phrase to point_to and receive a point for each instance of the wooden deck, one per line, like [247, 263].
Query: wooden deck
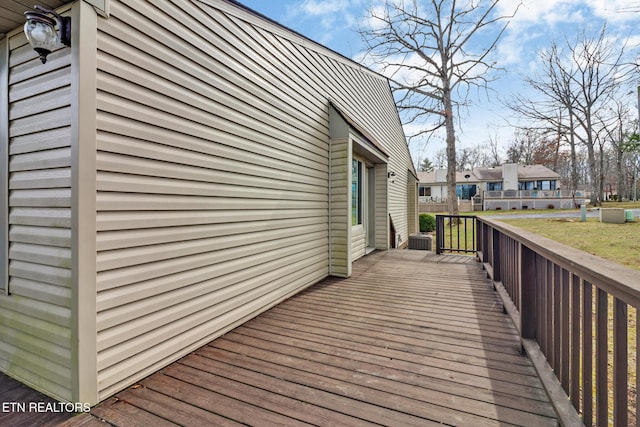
[410, 339]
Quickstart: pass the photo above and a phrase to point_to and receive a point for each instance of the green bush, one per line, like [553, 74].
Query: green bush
[427, 222]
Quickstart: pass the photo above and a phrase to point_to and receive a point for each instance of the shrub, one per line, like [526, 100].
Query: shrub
[551, 206]
[427, 222]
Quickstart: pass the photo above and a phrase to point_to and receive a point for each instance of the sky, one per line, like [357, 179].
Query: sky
[334, 23]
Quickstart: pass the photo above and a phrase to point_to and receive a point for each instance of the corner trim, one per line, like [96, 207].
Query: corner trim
[83, 202]
[4, 166]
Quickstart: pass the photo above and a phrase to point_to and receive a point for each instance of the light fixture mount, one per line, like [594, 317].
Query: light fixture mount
[45, 32]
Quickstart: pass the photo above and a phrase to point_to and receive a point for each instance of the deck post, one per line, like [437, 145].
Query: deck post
[439, 234]
[483, 240]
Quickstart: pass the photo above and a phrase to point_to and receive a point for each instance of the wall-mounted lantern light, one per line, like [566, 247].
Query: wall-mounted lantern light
[41, 31]
[391, 174]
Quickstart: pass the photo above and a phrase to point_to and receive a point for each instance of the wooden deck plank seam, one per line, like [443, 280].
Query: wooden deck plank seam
[403, 391]
[420, 345]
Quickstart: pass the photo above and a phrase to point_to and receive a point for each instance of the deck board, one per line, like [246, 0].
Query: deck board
[410, 339]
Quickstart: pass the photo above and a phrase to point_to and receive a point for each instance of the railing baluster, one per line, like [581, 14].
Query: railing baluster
[564, 331]
[528, 284]
[551, 356]
[496, 256]
[544, 307]
[557, 287]
[587, 354]
[510, 267]
[464, 235]
[473, 231]
[602, 397]
[575, 341]
[450, 233]
[620, 372]
[540, 302]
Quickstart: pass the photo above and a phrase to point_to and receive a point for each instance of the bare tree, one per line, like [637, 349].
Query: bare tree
[440, 159]
[581, 77]
[522, 148]
[493, 142]
[617, 125]
[426, 50]
[552, 115]
[469, 158]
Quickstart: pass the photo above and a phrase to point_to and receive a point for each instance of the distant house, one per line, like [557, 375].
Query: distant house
[509, 186]
[182, 167]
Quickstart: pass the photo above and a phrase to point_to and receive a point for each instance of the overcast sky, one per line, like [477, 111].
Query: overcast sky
[333, 23]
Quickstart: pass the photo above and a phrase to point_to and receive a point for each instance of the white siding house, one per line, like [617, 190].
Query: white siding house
[184, 166]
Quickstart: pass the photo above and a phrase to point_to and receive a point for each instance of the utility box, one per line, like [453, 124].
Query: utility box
[612, 215]
[628, 215]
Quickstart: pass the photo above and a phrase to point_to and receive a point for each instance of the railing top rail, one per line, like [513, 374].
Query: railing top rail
[617, 280]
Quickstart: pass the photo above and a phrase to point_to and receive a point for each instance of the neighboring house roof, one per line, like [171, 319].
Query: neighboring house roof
[536, 172]
[493, 174]
[489, 174]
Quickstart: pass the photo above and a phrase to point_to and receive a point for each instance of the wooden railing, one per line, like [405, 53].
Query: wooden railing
[576, 314]
[455, 234]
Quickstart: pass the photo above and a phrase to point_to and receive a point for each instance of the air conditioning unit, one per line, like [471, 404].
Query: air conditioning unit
[420, 242]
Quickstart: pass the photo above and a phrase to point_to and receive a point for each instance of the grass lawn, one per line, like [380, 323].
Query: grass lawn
[616, 242]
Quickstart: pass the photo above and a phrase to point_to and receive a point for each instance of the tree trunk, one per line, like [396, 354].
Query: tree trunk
[620, 183]
[593, 176]
[574, 165]
[452, 198]
[574, 158]
[601, 175]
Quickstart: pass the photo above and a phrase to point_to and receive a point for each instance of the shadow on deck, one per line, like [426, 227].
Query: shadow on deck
[411, 339]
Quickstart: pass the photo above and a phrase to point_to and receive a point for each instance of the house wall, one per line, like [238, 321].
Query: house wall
[204, 112]
[358, 242]
[230, 152]
[36, 299]
[198, 135]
